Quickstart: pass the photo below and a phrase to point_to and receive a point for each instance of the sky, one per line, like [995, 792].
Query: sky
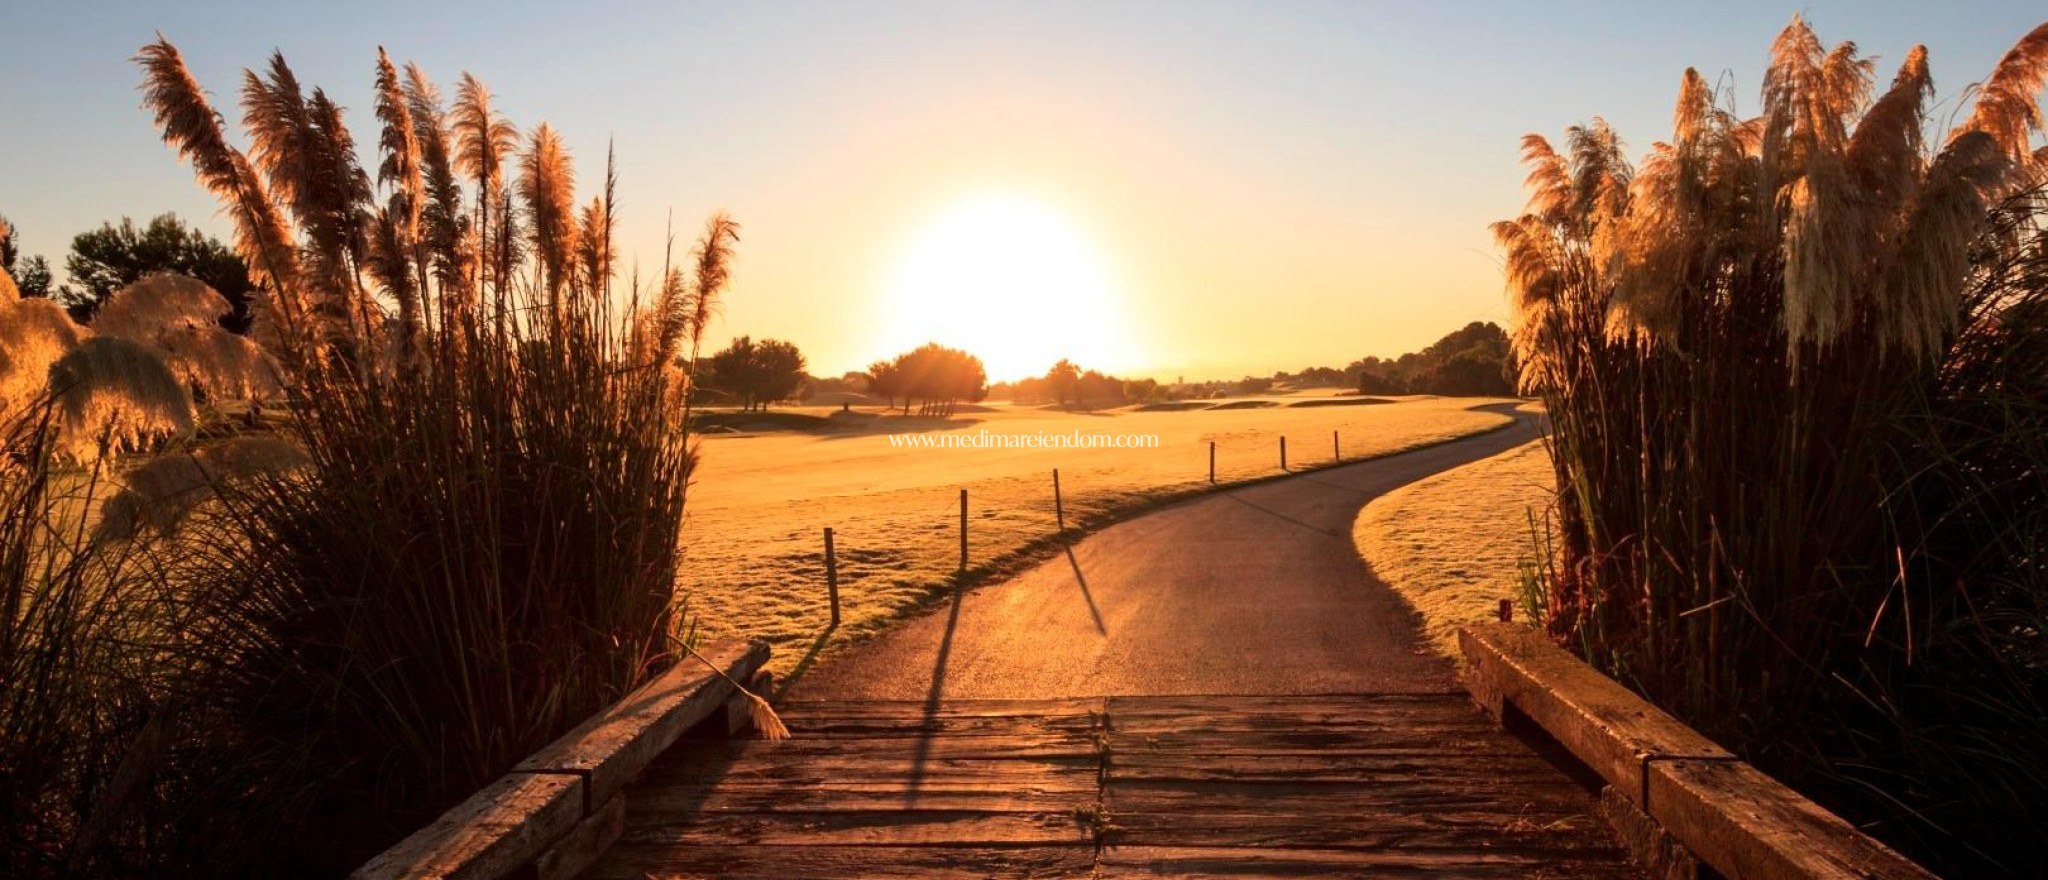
[1186, 189]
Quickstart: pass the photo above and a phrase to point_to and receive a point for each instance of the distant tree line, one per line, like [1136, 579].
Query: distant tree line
[1067, 385]
[1473, 361]
[114, 256]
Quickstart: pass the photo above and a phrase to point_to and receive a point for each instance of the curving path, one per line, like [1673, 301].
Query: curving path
[1216, 690]
[1253, 590]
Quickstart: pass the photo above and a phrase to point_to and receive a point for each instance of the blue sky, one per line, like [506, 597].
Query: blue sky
[1270, 186]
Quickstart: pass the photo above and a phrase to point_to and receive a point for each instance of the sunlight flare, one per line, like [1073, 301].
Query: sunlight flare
[1013, 281]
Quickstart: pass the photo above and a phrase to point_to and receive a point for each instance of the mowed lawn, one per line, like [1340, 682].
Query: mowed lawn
[1453, 545]
[753, 540]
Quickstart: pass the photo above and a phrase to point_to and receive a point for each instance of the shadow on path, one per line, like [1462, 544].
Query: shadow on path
[1278, 515]
[932, 700]
[1081, 579]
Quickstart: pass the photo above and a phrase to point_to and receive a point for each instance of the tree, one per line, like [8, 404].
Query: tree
[885, 380]
[757, 373]
[1064, 379]
[112, 257]
[31, 276]
[938, 376]
[1474, 360]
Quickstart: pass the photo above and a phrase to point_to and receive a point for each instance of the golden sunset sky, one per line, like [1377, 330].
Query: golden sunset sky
[1191, 189]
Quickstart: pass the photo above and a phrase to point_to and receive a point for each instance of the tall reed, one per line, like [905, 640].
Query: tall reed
[1792, 363]
[481, 547]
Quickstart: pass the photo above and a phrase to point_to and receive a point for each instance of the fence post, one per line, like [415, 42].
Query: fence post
[832, 575]
[1336, 449]
[1283, 452]
[1212, 462]
[1059, 507]
[963, 530]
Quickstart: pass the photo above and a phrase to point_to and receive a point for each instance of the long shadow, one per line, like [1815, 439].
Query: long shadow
[932, 700]
[796, 673]
[1081, 579]
[895, 425]
[1277, 514]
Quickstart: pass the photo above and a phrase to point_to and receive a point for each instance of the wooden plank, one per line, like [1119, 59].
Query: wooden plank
[1506, 800]
[1035, 791]
[1308, 706]
[1607, 726]
[627, 862]
[1198, 863]
[915, 719]
[569, 857]
[891, 826]
[500, 828]
[1530, 829]
[1746, 824]
[1334, 767]
[1312, 742]
[614, 746]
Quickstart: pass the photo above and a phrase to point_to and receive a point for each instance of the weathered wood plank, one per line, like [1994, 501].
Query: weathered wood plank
[569, 857]
[1019, 794]
[1308, 706]
[613, 747]
[632, 862]
[1238, 863]
[811, 721]
[1746, 824]
[1332, 767]
[890, 826]
[1608, 727]
[1504, 800]
[1534, 829]
[500, 828]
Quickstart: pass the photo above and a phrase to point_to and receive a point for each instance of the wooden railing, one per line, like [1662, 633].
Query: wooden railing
[1678, 795]
[559, 809]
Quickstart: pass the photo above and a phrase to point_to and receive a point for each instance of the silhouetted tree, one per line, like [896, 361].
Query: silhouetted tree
[1063, 380]
[112, 257]
[937, 376]
[757, 373]
[31, 276]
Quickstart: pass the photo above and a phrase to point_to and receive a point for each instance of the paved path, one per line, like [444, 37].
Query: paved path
[1254, 590]
[1216, 690]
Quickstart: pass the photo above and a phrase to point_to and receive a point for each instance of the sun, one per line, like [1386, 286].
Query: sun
[1010, 280]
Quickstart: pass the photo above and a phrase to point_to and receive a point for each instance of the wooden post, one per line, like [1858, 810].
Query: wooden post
[1212, 462]
[1507, 610]
[963, 530]
[1283, 452]
[1059, 508]
[832, 575]
[1336, 450]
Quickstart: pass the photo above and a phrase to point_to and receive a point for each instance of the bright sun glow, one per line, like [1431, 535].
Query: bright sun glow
[1014, 282]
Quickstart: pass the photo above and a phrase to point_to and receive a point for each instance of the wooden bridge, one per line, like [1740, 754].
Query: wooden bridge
[1328, 786]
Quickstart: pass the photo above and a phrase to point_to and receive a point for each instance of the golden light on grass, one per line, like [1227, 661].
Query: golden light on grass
[1014, 281]
[1452, 544]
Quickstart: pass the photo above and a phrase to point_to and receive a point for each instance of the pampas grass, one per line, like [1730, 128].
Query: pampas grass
[110, 392]
[1791, 363]
[480, 546]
